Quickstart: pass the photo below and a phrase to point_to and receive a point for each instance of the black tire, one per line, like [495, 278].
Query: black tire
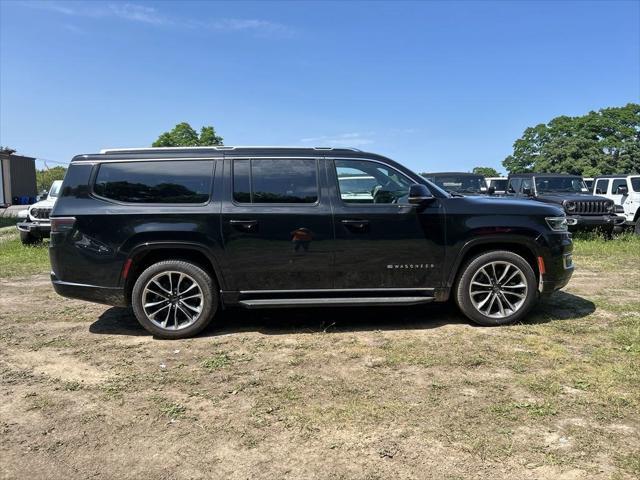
[474, 266]
[636, 229]
[28, 239]
[194, 273]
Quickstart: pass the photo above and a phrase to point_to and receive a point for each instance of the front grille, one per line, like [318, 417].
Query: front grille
[591, 207]
[42, 213]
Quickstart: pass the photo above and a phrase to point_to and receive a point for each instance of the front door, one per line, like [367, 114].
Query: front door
[276, 225]
[383, 242]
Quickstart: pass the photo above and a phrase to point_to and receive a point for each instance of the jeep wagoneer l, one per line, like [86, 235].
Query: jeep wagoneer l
[180, 233]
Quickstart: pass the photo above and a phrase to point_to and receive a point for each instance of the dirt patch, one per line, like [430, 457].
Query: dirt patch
[408, 393]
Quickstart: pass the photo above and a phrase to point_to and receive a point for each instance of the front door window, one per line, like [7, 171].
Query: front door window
[362, 181]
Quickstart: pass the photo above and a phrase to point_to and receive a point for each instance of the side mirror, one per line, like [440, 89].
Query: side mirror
[419, 194]
[526, 191]
[622, 190]
[491, 190]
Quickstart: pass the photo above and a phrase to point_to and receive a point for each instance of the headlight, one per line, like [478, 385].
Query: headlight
[570, 206]
[557, 224]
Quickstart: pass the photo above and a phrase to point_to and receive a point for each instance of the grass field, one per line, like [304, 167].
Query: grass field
[325, 394]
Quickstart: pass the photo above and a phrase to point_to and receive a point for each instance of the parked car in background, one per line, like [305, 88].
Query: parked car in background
[588, 181]
[34, 223]
[624, 190]
[181, 233]
[584, 210]
[462, 183]
[497, 185]
[357, 188]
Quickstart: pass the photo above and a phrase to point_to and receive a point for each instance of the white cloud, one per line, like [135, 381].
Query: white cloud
[353, 139]
[137, 13]
[133, 12]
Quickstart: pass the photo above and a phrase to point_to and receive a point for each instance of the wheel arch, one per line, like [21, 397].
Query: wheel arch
[523, 247]
[145, 255]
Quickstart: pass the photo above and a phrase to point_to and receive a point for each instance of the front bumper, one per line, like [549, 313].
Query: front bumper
[557, 255]
[591, 222]
[35, 228]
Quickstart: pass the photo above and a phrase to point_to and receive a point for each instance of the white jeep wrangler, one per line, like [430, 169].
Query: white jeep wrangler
[624, 190]
[34, 223]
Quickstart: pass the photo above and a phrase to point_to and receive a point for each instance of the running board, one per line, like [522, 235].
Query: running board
[333, 302]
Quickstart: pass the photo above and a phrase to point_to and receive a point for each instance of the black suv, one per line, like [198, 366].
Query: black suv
[180, 233]
[463, 183]
[584, 211]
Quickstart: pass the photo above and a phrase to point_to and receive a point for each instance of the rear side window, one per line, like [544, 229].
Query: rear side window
[601, 186]
[275, 181]
[155, 182]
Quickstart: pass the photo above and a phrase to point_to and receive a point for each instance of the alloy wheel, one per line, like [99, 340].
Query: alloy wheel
[172, 300]
[498, 289]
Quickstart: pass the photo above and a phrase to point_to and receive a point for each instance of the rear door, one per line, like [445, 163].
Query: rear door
[276, 224]
[383, 242]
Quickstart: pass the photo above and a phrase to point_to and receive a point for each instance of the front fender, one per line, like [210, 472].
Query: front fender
[497, 239]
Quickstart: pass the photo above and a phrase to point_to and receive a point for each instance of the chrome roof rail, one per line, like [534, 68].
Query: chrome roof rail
[220, 148]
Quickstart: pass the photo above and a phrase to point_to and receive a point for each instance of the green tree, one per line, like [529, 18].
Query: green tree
[44, 178]
[598, 143]
[183, 135]
[486, 171]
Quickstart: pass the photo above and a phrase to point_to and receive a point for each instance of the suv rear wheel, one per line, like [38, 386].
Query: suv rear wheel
[174, 299]
[496, 288]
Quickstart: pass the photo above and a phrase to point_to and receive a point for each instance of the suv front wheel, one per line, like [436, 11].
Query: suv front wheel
[496, 288]
[174, 299]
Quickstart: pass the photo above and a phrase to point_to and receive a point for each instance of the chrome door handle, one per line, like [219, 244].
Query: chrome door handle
[358, 225]
[244, 225]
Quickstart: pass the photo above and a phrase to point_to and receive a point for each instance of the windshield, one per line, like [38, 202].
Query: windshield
[55, 188]
[460, 184]
[635, 184]
[499, 184]
[560, 184]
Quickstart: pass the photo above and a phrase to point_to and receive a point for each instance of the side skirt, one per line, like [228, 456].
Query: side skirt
[330, 297]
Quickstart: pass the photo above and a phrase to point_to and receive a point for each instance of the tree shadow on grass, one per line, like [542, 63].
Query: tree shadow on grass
[560, 306]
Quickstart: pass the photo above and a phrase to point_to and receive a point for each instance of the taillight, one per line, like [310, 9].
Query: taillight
[62, 224]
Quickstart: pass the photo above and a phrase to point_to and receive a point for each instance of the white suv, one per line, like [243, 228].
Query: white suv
[624, 190]
[34, 223]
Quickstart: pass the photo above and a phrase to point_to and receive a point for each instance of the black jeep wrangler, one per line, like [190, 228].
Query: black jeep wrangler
[584, 211]
[181, 233]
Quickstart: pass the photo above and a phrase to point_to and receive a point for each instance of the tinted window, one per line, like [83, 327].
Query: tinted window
[635, 184]
[620, 182]
[361, 181]
[526, 183]
[155, 182]
[601, 186]
[242, 181]
[514, 185]
[560, 185]
[498, 184]
[275, 181]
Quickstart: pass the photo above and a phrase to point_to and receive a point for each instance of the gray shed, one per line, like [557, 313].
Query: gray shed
[17, 177]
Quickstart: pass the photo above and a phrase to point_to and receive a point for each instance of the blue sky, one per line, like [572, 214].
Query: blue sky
[435, 85]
